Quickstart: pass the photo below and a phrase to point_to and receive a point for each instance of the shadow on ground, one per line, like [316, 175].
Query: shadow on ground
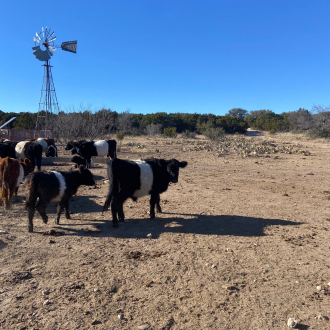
[179, 223]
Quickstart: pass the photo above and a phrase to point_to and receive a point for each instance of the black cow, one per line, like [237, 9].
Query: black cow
[51, 151]
[78, 160]
[54, 186]
[91, 149]
[7, 149]
[138, 178]
[30, 149]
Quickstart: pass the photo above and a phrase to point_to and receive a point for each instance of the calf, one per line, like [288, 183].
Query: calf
[80, 161]
[31, 150]
[12, 173]
[138, 178]
[51, 151]
[54, 186]
[91, 149]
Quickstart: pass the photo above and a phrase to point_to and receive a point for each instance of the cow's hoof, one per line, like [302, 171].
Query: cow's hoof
[152, 216]
[57, 222]
[30, 229]
[68, 216]
[121, 220]
[45, 220]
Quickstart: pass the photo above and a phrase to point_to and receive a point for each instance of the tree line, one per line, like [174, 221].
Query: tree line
[96, 124]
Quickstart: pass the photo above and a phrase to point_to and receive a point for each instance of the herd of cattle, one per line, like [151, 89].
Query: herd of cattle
[127, 178]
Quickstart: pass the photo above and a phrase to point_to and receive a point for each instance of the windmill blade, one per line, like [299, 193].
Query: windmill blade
[35, 39]
[52, 39]
[35, 48]
[43, 32]
[52, 48]
[41, 55]
[50, 52]
[51, 35]
[38, 36]
[70, 46]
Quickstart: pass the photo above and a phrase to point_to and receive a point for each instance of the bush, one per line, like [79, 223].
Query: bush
[120, 135]
[187, 134]
[214, 134]
[170, 131]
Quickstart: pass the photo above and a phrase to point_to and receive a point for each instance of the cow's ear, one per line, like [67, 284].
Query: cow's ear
[183, 164]
[162, 162]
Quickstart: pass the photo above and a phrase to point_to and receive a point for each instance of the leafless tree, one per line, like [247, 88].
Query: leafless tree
[82, 124]
[153, 130]
[125, 122]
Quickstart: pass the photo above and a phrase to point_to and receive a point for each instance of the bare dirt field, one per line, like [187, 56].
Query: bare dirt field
[243, 243]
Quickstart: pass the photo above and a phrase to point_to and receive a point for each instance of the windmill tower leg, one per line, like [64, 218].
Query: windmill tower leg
[48, 100]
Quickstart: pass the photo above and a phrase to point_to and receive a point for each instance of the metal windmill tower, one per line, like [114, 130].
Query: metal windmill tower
[43, 50]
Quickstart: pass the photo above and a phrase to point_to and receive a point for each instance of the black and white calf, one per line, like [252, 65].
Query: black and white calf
[80, 161]
[138, 178]
[51, 151]
[31, 150]
[54, 186]
[91, 149]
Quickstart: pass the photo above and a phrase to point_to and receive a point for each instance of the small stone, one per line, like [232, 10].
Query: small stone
[319, 288]
[120, 316]
[45, 293]
[292, 322]
[96, 290]
[96, 322]
[213, 266]
[46, 302]
[143, 327]
[329, 284]
[149, 235]
[3, 231]
[119, 310]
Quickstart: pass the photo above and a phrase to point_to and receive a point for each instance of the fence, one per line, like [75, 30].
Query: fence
[23, 134]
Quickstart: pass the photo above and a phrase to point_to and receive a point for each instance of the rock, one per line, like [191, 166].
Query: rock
[46, 302]
[96, 322]
[45, 293]
[292, 322]
[143, 327]
[149, 235]
[213, 266]
[120, 316]
[4, 232]
[96, 290]
[319, 288]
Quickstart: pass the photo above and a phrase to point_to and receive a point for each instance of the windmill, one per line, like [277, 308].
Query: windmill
[43, 50]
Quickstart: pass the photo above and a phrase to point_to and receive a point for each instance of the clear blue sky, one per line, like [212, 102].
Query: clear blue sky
[170, 56]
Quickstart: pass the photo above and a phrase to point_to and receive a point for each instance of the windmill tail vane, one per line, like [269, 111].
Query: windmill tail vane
[43, 50]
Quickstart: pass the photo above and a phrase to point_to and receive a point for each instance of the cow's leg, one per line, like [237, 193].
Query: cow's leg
[114, 215]
[61, 205]
[41, 208]
[158, 208]
[154, 199]
[16, 191]
[88, 162]
[31, 209]
[117, 207]
[66, 208]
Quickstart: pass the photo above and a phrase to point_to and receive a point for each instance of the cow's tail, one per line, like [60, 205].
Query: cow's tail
[111, 185]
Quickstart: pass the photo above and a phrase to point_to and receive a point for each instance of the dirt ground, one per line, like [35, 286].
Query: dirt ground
[243, 243]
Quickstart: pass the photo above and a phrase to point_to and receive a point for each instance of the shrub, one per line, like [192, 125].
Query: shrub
[120, 135]
[214, 134]
[170, 131]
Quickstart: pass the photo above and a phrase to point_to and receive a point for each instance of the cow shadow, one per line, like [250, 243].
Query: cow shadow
[208, 225]
[78, 204]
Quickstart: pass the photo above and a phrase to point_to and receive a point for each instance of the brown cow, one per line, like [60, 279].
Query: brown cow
[12, 172]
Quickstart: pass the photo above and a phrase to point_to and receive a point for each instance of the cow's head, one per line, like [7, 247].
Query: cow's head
[69, 145]
[172, 166]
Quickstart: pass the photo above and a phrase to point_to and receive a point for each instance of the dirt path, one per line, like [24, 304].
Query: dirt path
[243, 243]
